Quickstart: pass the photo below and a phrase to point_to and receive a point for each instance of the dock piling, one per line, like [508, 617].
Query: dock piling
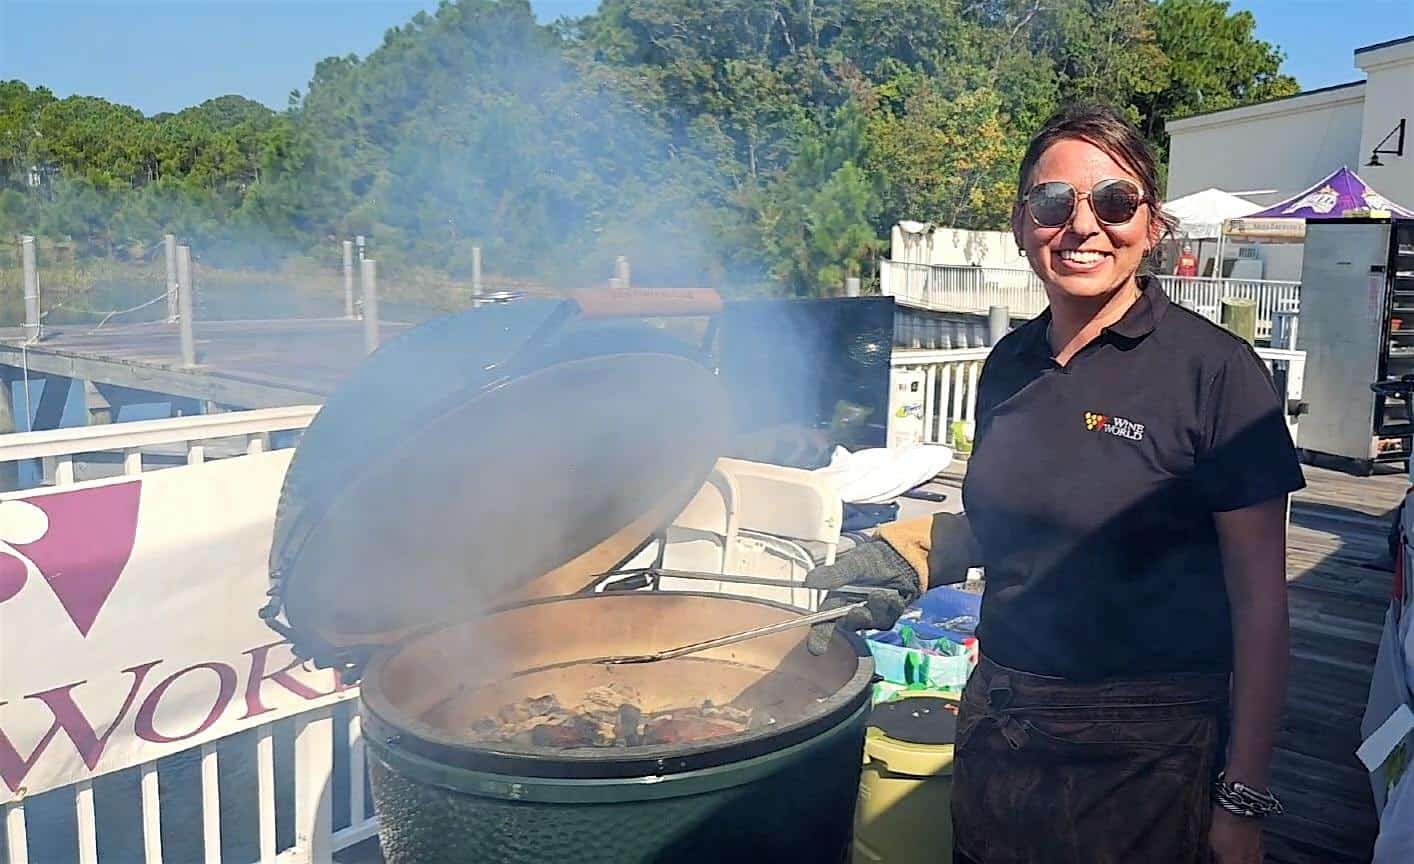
[169, 249]
[33, 332]
[621, 272]
[998, 323]
[1239, 317]
[476, 271]
[370, 305]
[348, 279]
[185, 305]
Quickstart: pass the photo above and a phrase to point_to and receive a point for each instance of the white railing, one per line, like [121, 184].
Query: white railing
[314, 757]
[948, 288]
[950, 382]
[315, 840]
[59, 447]
[1288, 368]
[962, 288]
[949, 388]
[1204, 295]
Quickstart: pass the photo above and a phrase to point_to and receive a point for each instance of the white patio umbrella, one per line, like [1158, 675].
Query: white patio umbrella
[1201, 216]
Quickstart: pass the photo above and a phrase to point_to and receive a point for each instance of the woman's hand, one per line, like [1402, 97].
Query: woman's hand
[1235, 839]
[874, 565]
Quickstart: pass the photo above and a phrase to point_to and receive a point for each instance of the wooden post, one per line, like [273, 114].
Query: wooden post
[348, 279]
[169, 249]
[31, 268]
[998, 323]
[184, 305]
[621, 272]
[1239, 317]
[476, 271]
[370, 305]
[9, 471]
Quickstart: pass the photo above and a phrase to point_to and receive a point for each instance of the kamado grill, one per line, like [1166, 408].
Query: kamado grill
[457, 514]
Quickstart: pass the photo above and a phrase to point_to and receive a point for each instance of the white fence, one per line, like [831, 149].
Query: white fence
[1204, 295]
[950, 382]
[960, 288]
[314, 751]
[949, 387]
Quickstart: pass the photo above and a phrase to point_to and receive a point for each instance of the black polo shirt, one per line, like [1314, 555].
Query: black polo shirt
[1092, 487]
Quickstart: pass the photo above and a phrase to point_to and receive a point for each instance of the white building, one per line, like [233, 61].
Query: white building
[1287, 144]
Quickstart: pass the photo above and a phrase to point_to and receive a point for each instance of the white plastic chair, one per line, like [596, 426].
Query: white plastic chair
[786, 502]
[702, 536]
[753, 519]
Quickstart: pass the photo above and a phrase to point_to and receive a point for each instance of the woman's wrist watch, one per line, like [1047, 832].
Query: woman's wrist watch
[1240, 799]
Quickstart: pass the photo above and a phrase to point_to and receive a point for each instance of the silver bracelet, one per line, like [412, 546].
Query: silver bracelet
[1242, 800]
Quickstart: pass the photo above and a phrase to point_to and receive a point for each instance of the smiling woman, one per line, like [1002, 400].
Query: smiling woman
[1126, 499]
[1135, 558]
[1086, 216]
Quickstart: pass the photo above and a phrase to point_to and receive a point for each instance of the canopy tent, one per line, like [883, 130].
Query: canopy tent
[1201, 215]
[1341, 195]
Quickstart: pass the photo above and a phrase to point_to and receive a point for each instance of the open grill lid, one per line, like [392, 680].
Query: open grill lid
[503, 453]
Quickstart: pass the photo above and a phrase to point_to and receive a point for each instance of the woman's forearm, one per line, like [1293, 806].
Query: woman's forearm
[1259, 628]
[1253, 543]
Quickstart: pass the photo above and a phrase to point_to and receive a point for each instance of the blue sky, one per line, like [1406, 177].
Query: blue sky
[163, 55]
[1319, 37]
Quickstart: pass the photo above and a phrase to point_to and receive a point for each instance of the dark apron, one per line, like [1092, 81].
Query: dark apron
[1114, 772]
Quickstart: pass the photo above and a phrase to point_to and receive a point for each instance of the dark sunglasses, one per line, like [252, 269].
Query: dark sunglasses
[1052, 204]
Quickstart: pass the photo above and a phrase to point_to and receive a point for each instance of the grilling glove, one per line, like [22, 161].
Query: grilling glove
[902, 563]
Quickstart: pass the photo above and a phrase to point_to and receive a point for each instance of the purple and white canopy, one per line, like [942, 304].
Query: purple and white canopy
[1341, 195]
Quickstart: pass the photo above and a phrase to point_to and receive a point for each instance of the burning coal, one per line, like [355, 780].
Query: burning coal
[611, 716]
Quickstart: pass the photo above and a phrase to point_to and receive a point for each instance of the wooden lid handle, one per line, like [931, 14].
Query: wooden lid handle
[633, 302]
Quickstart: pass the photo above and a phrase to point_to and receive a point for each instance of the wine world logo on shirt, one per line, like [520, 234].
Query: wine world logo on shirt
[1116, 426]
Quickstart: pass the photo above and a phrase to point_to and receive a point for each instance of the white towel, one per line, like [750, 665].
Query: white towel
[881, 474]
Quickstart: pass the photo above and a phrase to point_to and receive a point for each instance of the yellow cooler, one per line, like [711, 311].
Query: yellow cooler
[905, 793]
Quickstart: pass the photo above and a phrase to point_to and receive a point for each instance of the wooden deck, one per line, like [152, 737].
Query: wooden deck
[1339, 591]
[245, 364]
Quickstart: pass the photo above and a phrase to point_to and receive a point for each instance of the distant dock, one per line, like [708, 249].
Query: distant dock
[241, 364]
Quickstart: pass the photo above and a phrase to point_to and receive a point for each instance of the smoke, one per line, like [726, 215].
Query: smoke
[477, 127]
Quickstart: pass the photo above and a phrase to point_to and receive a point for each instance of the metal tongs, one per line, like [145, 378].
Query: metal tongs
[639, 577]
[694, 647]
[732, 638]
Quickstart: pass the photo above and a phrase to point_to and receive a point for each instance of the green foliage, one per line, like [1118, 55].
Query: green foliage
[818, 216]
[1213, 62]
[747, 144]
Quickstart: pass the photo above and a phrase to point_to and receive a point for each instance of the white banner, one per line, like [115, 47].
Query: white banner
[128, 626]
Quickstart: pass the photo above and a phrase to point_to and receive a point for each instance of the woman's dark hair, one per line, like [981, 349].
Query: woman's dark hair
[1107, 129]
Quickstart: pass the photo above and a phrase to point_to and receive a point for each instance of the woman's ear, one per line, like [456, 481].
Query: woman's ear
[1156, 230]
